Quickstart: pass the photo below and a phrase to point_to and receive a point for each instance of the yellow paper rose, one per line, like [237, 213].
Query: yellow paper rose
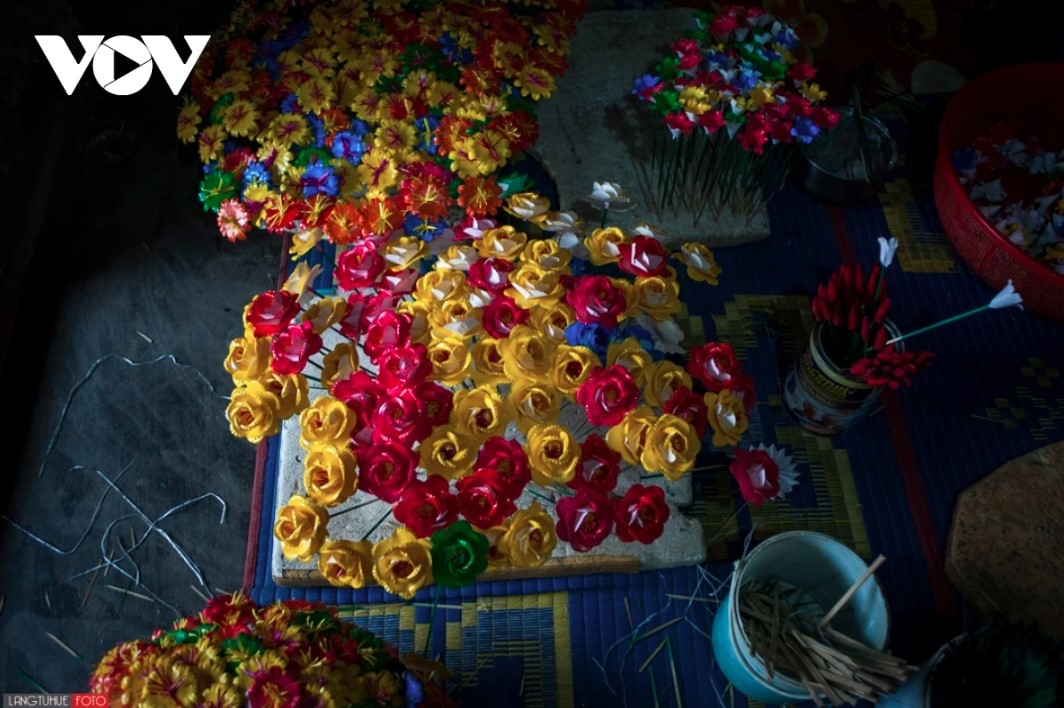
[658, 296]
[630, 354]
[503, 242]
[403, 252]
[571, 368]
[602, 245]
[451, 361]
[671, 447]
[327, 420]
[487, 362]
[532, 285]
[346, 563]
[420, 328]
[701, 266]
[300, 528]
[329, 474]
[552, 321]
[528, 206]
[292, 391]
[552, 454]
[401, 563]
[496, 557]
[455, 317]
[449, 452]
[527, 354]
[304, 241]
[531, 403]
[338, 364]
[441, 284]
[324, 313]
[662, 379]
[629, 436]
[480, 411]
[249, 358]
[458, 256]
[727, 416]
[546, 253]
[254, 413]
[530, 539]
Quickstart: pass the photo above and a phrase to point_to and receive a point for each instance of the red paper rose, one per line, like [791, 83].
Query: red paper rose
[399, 282]
[482, 502]
[596, 300]
[506, 462]
[385, 468]
[585, 520]
[643, 256]
[641, 514]
[427, 506]
[491, 274]
[438, 401]
[401, 368]
[387, 330]
[292, 347]
[757, 473]
[714, 364]
[690, 406]
[362, 394]
[608, 395]
[890, 367]
[272, 311]
[351, 324]
[501, 315]
[359, 266]
[399, 417]
[599, 465]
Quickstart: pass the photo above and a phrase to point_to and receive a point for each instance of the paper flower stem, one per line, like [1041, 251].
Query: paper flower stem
[376, 525]
[969, 313]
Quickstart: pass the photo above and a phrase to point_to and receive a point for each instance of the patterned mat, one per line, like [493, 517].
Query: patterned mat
[994, 392]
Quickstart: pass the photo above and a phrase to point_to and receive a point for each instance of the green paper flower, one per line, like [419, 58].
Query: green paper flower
[459, 555]
[215, 188]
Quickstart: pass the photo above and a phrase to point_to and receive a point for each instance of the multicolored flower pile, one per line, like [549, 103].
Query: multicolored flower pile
[487, 395]
[289, 653]
[854, 311]
[732, 95]
[345, 119]
[1018, 185]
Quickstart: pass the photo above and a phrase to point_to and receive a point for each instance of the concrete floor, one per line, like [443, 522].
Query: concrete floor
[120, 447]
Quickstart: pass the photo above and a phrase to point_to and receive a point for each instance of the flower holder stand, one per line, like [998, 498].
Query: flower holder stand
[592, 129]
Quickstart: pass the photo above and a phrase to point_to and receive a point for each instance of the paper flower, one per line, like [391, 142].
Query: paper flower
[234, 652]
[763, 473]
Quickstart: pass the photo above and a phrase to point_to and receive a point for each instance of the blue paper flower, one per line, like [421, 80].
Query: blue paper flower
[319, 179]
[348, 145]
[593, 336]
[804, 129]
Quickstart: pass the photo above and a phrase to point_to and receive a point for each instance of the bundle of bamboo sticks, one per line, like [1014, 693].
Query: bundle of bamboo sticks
[787, 632]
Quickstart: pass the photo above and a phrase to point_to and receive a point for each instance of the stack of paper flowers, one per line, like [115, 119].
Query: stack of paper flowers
[343, 119]
[484, 397]
[289, 653]
[1017, 183]
[733, 99]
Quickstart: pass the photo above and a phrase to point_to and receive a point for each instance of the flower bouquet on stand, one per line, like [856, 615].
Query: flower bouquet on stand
[856, 350]
[485, 400]
[733, 101]
[291, 652]
[329, 121]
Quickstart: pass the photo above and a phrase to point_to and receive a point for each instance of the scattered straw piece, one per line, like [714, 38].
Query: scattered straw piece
[657, 629]
[853, 589]
[689, 598]
[65, 646]
[137, 595]
[145, 337]
[32, 681]
[653, 654]
[47, 600]
[675, 677]
[202, 595]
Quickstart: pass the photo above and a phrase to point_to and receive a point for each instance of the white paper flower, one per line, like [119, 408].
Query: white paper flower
[788, 473]
[887, 247]
[1007, 297]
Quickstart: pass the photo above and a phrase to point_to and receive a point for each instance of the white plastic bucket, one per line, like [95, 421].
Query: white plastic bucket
[821, 567]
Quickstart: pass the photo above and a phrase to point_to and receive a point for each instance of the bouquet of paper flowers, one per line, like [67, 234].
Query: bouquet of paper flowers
[484, 396]
[290, 652]
[356, 117]
[733, 100]
[1018, 185]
